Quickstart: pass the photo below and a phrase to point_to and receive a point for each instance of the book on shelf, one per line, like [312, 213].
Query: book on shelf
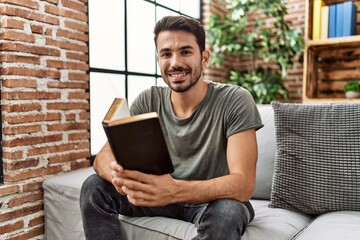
[137, 142]
[316, 25]
[339, 19]
[324, 22]
[350, 19]
[332, 21]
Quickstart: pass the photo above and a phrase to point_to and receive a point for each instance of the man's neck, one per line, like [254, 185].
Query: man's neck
[185, 103]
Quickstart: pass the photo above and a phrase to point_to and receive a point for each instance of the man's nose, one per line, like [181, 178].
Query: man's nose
[175, 60]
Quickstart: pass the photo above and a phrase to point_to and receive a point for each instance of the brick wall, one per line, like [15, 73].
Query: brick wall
[293, 81]
[45, 104]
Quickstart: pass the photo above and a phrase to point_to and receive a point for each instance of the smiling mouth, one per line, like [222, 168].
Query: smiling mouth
[178, 74]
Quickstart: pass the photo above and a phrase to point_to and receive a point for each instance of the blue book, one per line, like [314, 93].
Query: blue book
[332, 21]
[349, 24]
[339, 19]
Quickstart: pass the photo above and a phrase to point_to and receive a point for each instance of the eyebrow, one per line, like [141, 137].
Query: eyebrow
[181, 48]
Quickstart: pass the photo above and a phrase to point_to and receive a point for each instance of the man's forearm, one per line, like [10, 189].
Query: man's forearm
[232, 186]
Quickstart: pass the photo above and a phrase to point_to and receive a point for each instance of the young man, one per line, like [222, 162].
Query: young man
[210, 131]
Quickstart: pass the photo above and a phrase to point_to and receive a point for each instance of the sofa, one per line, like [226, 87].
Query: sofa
[307, 184]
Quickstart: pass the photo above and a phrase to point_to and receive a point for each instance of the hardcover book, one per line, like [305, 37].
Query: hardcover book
[317, 19]
[350, 11]
[339, 19]
[332, 21]
[324, 22]
[137, 141]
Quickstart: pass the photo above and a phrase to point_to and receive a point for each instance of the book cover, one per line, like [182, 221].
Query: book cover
[332, 21]
[137, 141]
[316, 26]
[339, 20]
[350, 11]
[324, 22]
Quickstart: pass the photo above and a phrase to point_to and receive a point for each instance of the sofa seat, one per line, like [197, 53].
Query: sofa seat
[63, 219]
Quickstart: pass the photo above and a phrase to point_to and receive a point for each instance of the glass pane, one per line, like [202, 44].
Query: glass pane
[190, 8]
[103, 89]
[141, 49]
[106, 43]
[174, 4]
[162, 12]
[136, 84]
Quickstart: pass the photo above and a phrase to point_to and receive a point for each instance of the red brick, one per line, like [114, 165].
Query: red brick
[68, 126]
[53, 1]
[84, 115]
[58, 148]
[80, 164]
[32, 118]
[37, 220]
[24, 83]
[15, 176]
[78, 76]
[17, 36]
[78, 56]
[70, 85]
[70, 116]
[16, 213]
[8, 190]
[79, 95]
[72, 156]
[26, 141]
[27, 198]
[77, 26]
[24, 3]
[67, 106]
[74, 5]
[73, 35]
[13, 155]
[67, 65]
[32, 186]
[67, 45]
[10, 130]
[79, 136]
[18, 59]
[11, 227]
[14, 165]
[31, 95]
[28, 14]
[39, 50]
[27, 107]
[28, 233]
[37, 29]
[12, 23]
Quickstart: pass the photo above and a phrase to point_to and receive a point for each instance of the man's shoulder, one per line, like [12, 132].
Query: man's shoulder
[228, 89]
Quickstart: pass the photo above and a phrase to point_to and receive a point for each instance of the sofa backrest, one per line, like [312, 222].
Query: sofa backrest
[266, 153]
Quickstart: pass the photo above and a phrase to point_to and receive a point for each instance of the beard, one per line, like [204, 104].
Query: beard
[194, 78]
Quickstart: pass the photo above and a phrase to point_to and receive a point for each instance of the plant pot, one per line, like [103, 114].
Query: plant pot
[352, 94]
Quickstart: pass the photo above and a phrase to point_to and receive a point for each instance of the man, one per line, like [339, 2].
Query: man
[210, 131]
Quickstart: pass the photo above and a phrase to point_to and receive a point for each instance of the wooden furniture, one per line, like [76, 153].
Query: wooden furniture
[329, 64]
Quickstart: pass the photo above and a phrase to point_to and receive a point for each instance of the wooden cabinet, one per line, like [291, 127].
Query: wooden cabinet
[329, 64]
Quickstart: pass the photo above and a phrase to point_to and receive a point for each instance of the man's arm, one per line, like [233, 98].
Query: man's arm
[103, 161]
[150, 190]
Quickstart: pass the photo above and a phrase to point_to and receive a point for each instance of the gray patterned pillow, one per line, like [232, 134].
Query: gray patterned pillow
[317, 162]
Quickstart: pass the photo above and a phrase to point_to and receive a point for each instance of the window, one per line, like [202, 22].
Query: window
[122, 52]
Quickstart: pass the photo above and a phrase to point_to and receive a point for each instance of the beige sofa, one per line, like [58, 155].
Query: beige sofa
[63, 220]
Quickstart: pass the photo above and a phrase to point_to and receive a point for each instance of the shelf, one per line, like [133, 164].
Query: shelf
[351, 41]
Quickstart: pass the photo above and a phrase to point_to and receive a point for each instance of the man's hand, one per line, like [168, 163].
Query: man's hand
[144, 189]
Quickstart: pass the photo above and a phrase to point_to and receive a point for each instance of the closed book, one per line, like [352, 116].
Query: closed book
[324, 22]
[332, 21]
[137, 142]
[339, 20]
[350, 11]
[316, 25]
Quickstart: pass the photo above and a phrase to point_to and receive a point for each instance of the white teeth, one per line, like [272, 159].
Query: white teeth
[178, 75]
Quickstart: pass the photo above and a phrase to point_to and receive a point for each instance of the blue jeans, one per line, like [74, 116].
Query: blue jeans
[101, 204]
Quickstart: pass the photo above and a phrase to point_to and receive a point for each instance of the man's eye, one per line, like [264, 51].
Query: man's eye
[185, 52]
[165, 55]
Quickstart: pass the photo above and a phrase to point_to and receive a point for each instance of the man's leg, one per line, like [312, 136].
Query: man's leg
[100, 205]
[224, 219]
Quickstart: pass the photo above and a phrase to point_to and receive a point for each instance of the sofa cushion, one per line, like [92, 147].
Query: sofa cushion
[269, 224]
[334, 225]
[317, 164]
[266, 153]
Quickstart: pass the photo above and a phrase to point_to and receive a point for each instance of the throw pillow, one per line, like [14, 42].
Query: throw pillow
[317, 161]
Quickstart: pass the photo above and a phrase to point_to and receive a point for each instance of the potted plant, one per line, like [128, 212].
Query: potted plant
[352, 89]
[241, 32]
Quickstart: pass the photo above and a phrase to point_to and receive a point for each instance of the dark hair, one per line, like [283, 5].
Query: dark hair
[181, 23]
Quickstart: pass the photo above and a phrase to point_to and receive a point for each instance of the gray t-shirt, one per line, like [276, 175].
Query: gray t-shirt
[197, 144]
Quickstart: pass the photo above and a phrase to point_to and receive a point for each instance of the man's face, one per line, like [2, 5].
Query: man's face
[180, 60]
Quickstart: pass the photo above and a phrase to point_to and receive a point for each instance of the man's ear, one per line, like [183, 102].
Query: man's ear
[205, 58]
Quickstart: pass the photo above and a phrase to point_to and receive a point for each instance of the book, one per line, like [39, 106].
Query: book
[332, 21]
[324, 22]
[339, 19]
[349, 24]
[137, 142]
[316, 27]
